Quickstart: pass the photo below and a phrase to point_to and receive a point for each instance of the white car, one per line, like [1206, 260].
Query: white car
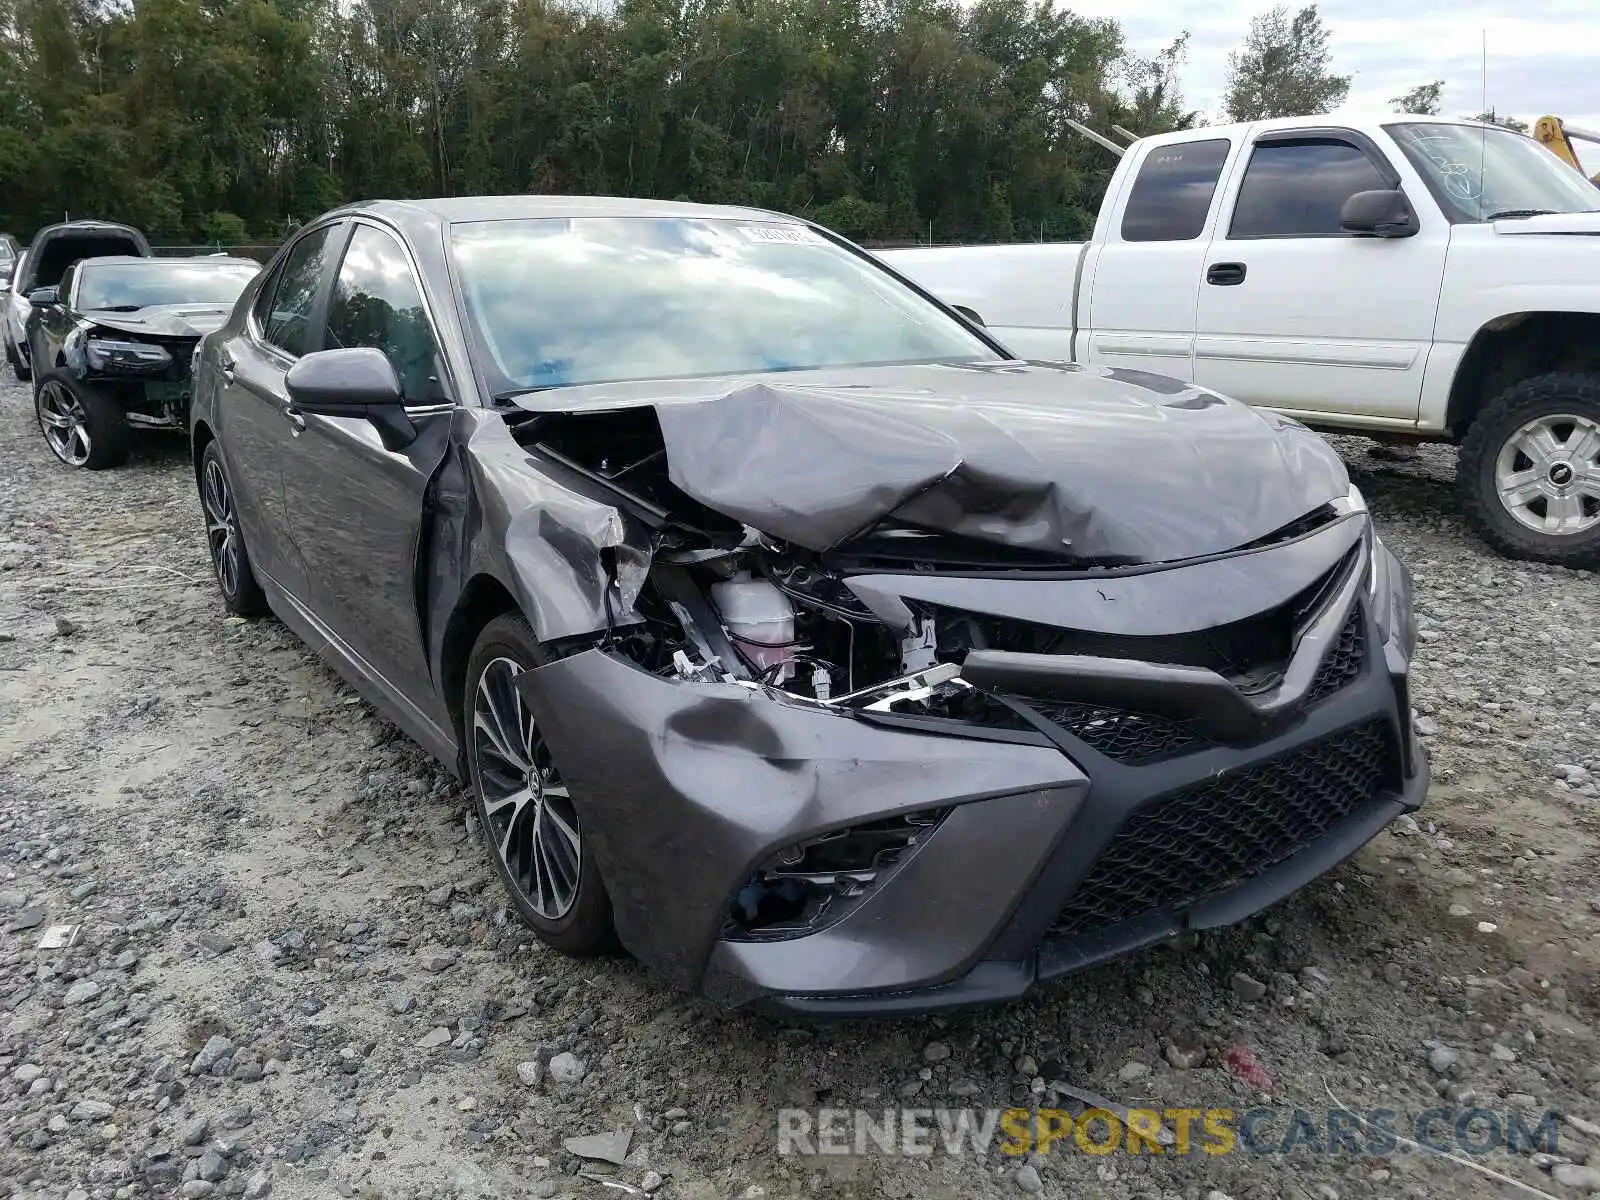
[1411, 278]
[16, 319]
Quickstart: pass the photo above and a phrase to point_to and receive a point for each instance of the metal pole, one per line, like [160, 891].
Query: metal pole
[1099, 139]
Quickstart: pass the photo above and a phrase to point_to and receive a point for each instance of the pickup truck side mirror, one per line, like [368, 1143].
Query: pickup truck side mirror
[1384, 213]
[44, 297]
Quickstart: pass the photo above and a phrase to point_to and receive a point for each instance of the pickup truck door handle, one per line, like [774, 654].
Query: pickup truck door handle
[1225, 274]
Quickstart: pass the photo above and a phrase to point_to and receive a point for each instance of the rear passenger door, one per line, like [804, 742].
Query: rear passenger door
[1295, 313]
[252, 407]
[1145, 274]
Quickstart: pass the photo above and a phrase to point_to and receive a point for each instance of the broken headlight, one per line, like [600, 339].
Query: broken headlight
[106, 354]
[816, 883]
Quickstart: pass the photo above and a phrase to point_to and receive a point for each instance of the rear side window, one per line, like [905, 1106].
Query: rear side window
[1173, 191]
[1296, 189]
[286, 320]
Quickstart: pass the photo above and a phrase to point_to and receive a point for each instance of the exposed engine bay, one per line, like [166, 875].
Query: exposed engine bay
[724, 601]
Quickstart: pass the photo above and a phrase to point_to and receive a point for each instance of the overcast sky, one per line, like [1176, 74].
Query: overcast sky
[1544, 55]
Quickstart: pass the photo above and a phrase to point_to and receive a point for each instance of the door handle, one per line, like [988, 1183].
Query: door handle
[1225, 274]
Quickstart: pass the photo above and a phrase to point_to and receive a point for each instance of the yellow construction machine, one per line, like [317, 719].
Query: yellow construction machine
[1557, 138]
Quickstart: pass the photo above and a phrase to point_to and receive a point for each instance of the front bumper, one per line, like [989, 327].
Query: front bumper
[1061, 846]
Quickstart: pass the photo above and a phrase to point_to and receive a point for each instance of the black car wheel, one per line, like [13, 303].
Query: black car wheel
[229, 559]
[533, 827]
[82, 427]
[1529, 470]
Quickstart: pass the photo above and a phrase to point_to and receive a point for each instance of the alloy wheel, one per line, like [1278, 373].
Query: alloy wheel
[528, 810]
[1548, 475]
[222, 529]
[65, 424]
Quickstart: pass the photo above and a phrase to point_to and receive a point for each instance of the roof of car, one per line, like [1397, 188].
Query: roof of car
[128, 260]
[458, 209]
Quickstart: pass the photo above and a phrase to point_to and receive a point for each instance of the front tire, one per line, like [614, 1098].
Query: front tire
[533, 827]
[83, 427]
[1529, 471]
[19, 364]
[230, 559]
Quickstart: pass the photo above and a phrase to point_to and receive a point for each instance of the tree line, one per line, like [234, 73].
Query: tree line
[230, 120]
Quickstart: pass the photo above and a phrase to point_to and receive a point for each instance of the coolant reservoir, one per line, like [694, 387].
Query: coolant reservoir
[760, 621]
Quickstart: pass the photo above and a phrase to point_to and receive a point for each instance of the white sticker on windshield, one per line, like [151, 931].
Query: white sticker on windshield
[793, 235]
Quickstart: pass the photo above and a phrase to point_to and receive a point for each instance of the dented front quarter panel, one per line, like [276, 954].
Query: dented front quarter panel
[688, 786]
[546, 542]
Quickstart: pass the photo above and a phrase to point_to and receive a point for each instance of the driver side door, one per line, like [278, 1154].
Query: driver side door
[1296, 314]
[358, 510]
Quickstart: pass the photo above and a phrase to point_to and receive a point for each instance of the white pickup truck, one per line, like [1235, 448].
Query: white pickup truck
[1409, 278]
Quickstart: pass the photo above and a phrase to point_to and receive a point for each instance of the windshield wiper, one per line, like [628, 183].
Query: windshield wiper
[1521, 212]
[118, 308]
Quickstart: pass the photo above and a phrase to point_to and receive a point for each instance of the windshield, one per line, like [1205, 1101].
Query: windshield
[557, 301]
[1481, 171]
[129, 286]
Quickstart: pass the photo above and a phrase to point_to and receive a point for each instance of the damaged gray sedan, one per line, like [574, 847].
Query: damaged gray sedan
[791, 633]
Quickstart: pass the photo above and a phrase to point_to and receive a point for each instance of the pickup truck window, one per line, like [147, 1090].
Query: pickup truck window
[1296, 189]
[1172, 192]
[1476, 172]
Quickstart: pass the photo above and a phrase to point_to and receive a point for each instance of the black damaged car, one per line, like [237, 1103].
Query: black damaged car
[112, 347]
[789, 630]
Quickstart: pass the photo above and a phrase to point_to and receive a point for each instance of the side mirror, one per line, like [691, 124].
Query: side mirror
[968, 313]
[1384, 213]
[44, 297]
[357, 382]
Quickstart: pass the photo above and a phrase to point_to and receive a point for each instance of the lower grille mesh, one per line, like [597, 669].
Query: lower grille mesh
[1208, 837]
[1127, 737]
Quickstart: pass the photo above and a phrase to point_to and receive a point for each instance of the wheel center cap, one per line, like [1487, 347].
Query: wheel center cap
[536, 783]
[1561, 474]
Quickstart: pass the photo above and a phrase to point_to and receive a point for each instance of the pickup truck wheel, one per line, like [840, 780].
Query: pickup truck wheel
[1529, 471]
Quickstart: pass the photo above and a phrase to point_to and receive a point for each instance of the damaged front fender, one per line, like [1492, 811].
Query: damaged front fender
[575, 564]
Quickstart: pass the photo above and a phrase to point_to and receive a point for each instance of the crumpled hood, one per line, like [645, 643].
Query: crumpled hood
[1054, 458]
[166, 320]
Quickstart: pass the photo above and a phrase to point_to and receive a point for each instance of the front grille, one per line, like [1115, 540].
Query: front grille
[1206, 838]
[1126, 737]
[1343, 661]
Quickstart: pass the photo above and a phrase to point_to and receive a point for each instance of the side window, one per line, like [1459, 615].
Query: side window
[1296, 189]
[1172, 193]
[287, 320]
[376, 302]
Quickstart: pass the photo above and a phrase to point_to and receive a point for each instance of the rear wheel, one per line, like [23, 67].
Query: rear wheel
[1529, 471]
[529, 818]
[229, 559]
[83, 427]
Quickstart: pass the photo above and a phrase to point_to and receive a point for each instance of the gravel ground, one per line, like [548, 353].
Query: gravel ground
[294, 975]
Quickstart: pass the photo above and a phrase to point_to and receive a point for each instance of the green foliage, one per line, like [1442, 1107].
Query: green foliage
[222, 119]
[1284, 69]
[227, 229]
[1422, 100]
[1493, 118]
